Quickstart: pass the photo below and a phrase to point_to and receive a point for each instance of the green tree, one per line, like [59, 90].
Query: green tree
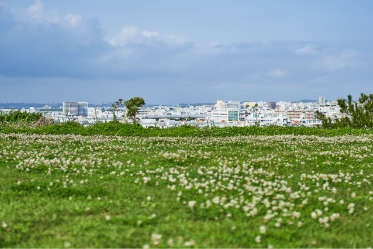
[355, 114]
[114, 110]
[116, 106]
[133, 105]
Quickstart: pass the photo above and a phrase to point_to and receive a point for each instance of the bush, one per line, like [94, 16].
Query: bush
[19, 117]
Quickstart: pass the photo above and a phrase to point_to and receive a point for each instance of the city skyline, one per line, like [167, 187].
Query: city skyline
[184, 52]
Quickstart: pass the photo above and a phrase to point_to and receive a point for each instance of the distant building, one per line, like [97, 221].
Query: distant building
[226, 112]
[272, 105]
[73, 108]
[219, 103]
[83, 109]
[321, 100]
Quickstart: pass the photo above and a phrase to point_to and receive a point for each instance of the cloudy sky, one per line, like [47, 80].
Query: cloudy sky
[171, 52]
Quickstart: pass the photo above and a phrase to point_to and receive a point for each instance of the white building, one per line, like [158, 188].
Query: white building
[321, 100]
[73, 108]
[226, 112]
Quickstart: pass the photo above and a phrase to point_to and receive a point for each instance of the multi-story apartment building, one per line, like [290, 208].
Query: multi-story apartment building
[297, 114]
[73, 108]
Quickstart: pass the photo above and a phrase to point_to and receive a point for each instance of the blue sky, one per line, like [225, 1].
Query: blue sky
[171, 52]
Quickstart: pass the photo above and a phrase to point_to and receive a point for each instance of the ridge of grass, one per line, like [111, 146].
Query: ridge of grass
[120, 129]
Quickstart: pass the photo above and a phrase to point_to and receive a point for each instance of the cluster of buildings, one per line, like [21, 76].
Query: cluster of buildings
[221, 114]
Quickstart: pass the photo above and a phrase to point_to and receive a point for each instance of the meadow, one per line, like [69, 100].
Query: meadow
[287, 190]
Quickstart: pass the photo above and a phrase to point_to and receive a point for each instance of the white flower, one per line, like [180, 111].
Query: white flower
[262, 229]
[313, 215]
[156, 238]
[4, 225]
[149, 198]
[216, 200]
[300, 224]
[191, 204]
[296, 214]
[257, 239]
[334, 216]
[170, 242]
[146, 179]
[353, 195]
[107, 217]
[318, 212]
[189, 243]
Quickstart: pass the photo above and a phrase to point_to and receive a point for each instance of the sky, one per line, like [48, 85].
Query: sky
[172, 52]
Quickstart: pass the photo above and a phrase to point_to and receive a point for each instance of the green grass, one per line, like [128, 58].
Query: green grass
[185, 191]
[120, 129]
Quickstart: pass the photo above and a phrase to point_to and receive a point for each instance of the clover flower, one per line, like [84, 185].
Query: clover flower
[191, 204]
[313, 215]
[257, 239]
[189, 243]
[170, 242]
[156, 238]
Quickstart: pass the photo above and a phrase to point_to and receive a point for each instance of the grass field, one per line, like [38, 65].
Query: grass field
[241, 191]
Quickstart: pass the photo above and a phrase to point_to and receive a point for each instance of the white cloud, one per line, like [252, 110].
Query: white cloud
[341, 61]
[130, 35]
[126, 34]
[307, 50]
[176, 39]
[210, 48]
[149, 34]
[278, 73]
[35, 13]
[36, 10]
[73, 19]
